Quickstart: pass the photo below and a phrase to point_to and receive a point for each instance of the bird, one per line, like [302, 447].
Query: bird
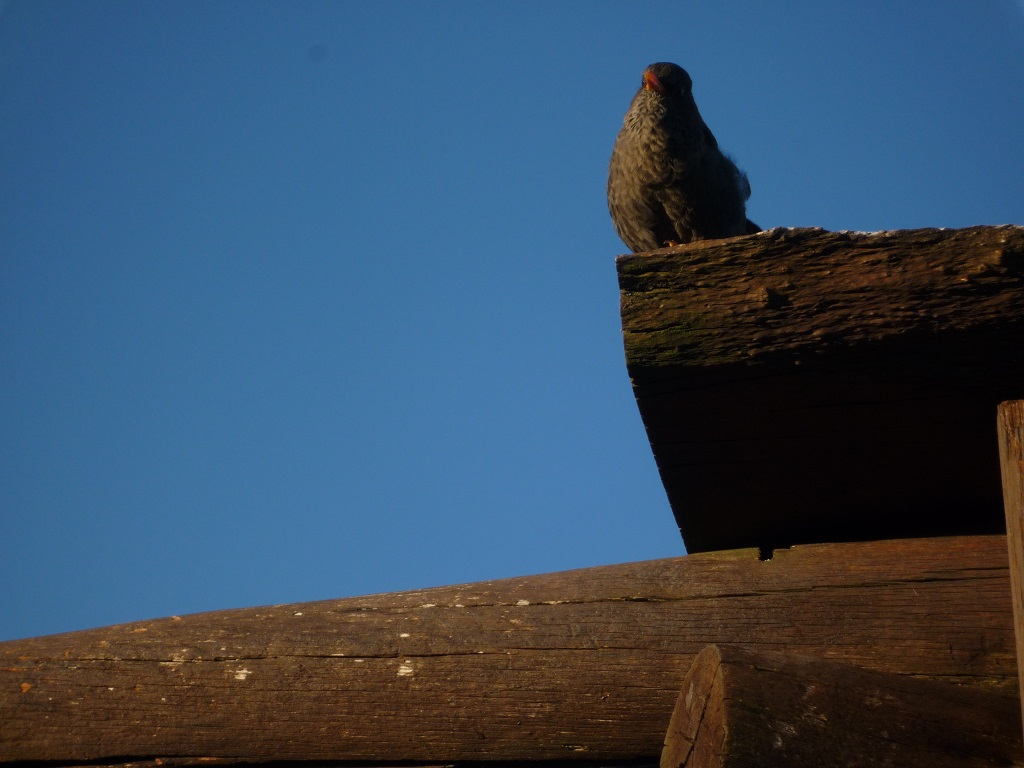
[668, 182]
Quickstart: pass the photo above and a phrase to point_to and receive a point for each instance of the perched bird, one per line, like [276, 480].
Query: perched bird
[668, 182]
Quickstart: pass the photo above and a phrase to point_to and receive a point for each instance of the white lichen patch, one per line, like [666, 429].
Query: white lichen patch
[176, 660]
[241, 674]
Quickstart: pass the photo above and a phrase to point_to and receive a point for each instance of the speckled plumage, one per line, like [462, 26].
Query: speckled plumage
[667, 180]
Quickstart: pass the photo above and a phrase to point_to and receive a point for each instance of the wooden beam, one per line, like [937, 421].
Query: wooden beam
[740, 709]
[803, 386]
[1011, 459]
[576, 666]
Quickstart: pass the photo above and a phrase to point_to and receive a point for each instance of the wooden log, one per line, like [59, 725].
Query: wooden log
[739, 709]
[576, 666]
[1011, 460]
[807, 386]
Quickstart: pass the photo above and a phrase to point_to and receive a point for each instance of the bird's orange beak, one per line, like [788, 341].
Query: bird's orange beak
[652, 83]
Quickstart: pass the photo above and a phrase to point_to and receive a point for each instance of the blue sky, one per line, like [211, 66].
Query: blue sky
[309, 300]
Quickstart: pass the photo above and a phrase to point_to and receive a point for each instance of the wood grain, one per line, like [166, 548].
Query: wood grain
[1011, 459]
[805, 293]
[800, 385]
[743, 709]
[581, 666]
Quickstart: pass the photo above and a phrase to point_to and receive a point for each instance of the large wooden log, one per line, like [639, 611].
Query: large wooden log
[1011, 459]
[581, 666]
[739, 709]
[802, 385]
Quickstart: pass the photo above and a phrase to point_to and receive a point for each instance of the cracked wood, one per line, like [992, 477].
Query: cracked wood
[582, 666]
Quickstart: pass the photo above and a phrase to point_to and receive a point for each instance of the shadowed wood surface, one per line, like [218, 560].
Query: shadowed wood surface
[213, 762]
[577, 666]
[800, 385]
[739, 709]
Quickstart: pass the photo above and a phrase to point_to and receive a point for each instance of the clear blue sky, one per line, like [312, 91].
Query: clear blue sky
[309, 300]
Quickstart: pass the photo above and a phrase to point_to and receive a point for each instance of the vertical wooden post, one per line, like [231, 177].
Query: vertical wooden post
[1011, 461]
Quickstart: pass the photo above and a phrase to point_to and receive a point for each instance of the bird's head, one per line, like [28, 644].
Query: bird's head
[665, 103]
[667, 80]
[665, 99]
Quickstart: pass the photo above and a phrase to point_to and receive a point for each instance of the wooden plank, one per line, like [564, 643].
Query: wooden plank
[804, 386]
[582, 666]
[740, 709]
[1011, 460]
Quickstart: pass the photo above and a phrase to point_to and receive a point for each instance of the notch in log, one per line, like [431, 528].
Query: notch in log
[745, 709]
[808, 386]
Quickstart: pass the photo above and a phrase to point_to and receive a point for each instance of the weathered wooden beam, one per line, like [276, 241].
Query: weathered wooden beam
[800, 385]
[1011, 460]
[213, 763]
[740, 709]
[578, 666]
